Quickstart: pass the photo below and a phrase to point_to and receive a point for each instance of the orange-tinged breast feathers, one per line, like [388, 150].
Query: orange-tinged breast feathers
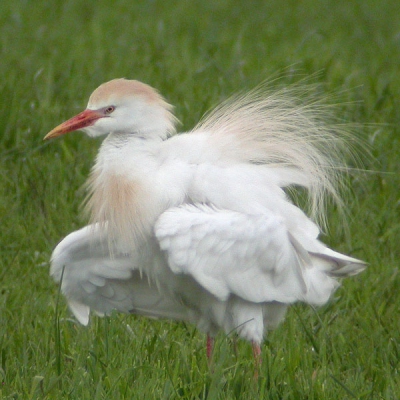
[119, 202]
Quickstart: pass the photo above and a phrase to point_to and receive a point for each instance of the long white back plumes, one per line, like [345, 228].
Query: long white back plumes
[287, 129]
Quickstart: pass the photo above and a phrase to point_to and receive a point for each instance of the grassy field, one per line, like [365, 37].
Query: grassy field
[53, 54]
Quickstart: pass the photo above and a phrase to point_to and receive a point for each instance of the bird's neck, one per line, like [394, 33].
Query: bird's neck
[139, 139]
[123, 153]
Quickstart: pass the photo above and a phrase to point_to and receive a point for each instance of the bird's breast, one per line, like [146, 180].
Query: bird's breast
[122, 202]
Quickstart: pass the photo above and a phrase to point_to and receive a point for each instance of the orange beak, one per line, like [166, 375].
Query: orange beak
[82, 120]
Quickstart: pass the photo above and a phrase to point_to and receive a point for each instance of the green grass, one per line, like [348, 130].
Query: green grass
[53, 54]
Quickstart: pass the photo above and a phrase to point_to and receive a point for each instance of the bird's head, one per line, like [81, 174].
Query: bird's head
[122, 106]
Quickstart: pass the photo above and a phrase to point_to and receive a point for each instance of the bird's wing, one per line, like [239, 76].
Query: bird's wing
[251, 256]
[93, 277]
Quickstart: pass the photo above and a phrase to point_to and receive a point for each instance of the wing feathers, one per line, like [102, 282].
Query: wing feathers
[94, 279]
[247, 255]
[81, 311]
[251, 256]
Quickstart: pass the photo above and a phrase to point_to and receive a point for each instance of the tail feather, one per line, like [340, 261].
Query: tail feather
[321, 267]
[348, 270]
[340, 265]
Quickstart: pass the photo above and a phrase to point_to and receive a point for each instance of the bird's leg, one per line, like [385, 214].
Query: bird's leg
[210, 348]
[257, 359]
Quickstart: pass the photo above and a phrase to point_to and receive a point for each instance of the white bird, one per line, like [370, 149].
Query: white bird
[197, 227]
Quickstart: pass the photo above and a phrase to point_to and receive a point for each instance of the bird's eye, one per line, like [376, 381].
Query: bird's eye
[109, 110]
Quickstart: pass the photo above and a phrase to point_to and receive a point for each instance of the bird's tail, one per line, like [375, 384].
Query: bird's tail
[322, 267]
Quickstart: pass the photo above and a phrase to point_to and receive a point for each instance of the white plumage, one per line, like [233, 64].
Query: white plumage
[197, 226]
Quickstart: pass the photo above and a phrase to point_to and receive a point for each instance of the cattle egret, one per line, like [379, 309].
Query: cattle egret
[198, 227]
